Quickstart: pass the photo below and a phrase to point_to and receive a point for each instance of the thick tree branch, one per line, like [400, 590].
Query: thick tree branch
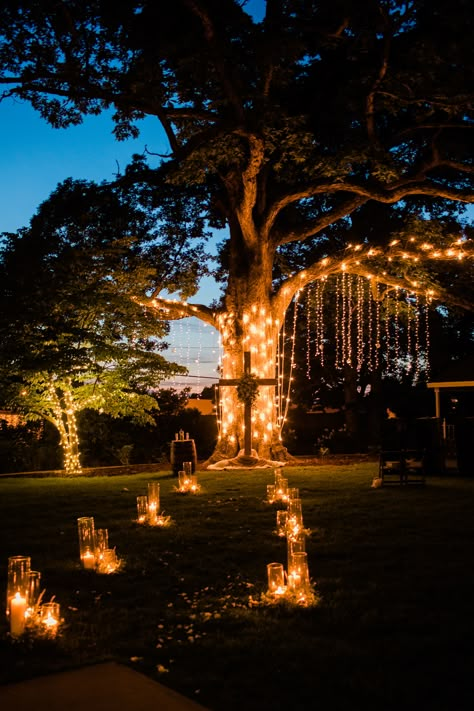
[359, 259]
[171, 310]
[362, 193]
[312, 227]
[225, 74]
[370, 103]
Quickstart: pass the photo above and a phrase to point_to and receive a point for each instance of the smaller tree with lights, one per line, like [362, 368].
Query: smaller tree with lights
[70, 337]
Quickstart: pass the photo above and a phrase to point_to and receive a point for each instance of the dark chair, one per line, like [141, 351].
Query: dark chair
[414, 466]
[391, 467]
[402, 466]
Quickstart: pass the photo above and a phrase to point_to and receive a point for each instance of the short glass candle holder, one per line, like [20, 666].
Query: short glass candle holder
[50, 618]
[86, 531]
[109, 562]
[276, 579]
[142, 509]
[293, 493]
[193, 484]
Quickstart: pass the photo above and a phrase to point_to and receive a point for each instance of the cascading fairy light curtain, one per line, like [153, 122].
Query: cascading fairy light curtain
[390, 331]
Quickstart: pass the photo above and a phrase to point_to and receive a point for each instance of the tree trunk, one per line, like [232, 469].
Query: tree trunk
[250, 323]
[65, 420]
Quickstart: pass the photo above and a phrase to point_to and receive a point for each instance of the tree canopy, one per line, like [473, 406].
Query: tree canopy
[285, 132]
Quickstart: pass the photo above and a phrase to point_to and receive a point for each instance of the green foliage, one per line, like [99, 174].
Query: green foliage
[70, 317]
[247, 388]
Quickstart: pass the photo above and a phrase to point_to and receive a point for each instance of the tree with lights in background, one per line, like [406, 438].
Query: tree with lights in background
[283, 133]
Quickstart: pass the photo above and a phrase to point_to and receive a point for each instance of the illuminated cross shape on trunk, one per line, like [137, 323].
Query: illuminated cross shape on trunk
[247, 406]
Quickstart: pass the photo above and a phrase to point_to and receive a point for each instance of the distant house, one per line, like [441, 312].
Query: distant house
[11, 418]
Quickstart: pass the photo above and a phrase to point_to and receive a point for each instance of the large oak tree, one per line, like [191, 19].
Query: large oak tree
[281, 131]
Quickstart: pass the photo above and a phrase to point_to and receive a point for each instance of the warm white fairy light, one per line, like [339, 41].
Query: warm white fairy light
[319, 344]
[378, 334]
[370, 328]
[409, 357]
[396, 331]
[360, 322]
[309, 309]
[417, 339]
[427, 337]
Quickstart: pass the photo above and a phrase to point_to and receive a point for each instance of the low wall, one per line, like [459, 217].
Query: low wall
[121, 470]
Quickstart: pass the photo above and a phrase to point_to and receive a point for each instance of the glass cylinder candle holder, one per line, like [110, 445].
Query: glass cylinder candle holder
[276, 579]
[50, 618]
[282, 489]
[18, 579]
[297, 544]
[86, 531]
[184, 480]
[188, 468]
[293, 493]
[281, 522]
[101, 543]
[295, 517]
[142, 509]
[298, 573]
[271, 493]
[193, 483]
[295, 508]
[34, 591]
[153, 500]
[108, 564]
[277, 473]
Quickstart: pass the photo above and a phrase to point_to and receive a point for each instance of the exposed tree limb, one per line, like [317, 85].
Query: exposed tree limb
[171, 310]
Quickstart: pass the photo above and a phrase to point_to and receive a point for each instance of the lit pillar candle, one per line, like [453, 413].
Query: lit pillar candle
[18, 605]
[88, 560]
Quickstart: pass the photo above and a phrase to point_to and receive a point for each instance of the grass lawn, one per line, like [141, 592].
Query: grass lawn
[394, 628]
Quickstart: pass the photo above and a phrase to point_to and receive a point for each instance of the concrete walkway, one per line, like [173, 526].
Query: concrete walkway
[101, 687]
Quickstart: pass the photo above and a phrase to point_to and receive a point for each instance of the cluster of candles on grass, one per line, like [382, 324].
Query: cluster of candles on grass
[187, 481]
[25, 609]
[294, 584]
[148, 507]
[94, 548]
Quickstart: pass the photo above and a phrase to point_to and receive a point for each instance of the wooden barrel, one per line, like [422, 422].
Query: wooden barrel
[182, 450]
